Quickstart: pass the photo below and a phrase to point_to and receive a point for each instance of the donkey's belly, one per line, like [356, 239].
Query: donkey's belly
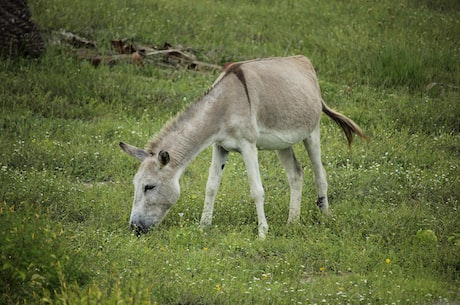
[279, 139]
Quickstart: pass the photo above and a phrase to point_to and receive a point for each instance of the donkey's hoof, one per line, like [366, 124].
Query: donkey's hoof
[323, 205]
[205, 221]
[204, 225]
[294, 216]
[263, 230]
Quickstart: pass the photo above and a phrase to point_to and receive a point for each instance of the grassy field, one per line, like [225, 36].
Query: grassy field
[66, 191]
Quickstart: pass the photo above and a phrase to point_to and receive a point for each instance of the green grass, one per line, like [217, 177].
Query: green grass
[65, 186]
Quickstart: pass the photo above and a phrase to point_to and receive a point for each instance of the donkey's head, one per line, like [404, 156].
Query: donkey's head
[156, 188]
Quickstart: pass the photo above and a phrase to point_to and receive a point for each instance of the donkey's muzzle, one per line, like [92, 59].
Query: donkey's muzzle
[139, 229]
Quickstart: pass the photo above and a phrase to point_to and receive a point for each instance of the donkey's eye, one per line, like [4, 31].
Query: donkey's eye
[149, 187]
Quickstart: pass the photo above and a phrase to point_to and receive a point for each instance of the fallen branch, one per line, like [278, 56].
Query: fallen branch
[434, 84]
[172, 56]
[77, 41]
[127, 50]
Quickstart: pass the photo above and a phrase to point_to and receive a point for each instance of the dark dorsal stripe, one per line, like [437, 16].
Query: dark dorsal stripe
[236, 69]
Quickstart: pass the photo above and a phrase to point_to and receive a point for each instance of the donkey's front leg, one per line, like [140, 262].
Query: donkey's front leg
[219, 159]
[249, 153]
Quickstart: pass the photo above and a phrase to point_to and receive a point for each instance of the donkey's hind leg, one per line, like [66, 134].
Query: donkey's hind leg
[312, 144]
[294, 173]
[219, 159]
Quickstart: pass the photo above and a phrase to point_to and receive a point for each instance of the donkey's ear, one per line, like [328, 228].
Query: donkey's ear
[163, 157]
[133, 151]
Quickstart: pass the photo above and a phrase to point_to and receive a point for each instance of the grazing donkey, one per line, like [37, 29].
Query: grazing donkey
[266, 104]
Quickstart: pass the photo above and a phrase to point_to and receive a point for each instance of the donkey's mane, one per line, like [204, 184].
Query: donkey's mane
[172, 125]
[176, 121]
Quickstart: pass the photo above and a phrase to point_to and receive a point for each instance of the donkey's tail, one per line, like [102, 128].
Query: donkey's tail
[349, 127]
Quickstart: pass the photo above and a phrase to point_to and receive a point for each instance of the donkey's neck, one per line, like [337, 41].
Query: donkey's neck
[189, 133]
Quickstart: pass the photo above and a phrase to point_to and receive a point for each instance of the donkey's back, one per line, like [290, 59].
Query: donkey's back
[282, 98]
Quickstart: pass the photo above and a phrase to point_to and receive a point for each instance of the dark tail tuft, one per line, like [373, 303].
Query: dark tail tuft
[348, 126]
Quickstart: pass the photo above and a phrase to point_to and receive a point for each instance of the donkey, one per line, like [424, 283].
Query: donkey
[267, 104]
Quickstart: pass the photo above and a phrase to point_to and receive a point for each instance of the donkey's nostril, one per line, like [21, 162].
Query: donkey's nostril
[138, 229]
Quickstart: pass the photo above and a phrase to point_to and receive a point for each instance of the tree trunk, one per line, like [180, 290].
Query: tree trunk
[19, 35]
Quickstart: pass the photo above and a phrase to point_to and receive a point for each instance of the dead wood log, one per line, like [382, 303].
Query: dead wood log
[127, 50]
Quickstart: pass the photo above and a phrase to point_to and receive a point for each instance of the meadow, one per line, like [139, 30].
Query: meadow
[66, 188]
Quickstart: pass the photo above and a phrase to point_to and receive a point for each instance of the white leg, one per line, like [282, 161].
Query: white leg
[312, 144]
[219, 158]
[249, 153]
[294, 173]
